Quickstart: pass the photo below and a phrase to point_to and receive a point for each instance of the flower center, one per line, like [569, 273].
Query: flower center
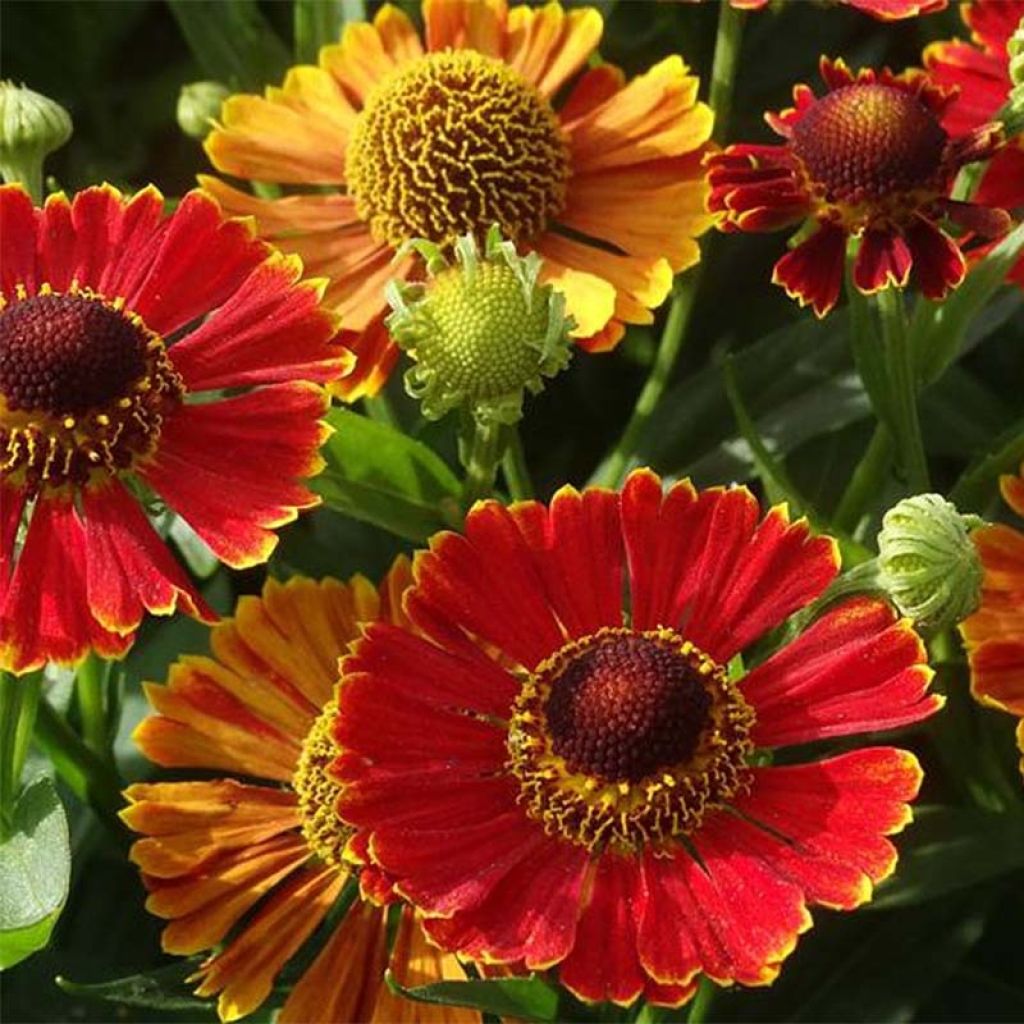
[452, 144]
[626, 738]
[84, 386]
[868, 142]
[318, 792]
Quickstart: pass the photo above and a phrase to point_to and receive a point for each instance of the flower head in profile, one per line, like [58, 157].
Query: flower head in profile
[261, 708]
[493, 117]
[979, 70]
[994, 634]
[881, 10]
[868, 160]
[121, 327]
[559, 763]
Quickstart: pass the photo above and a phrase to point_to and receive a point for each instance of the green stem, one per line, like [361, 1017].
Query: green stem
[723, 69]
[28, 172]
[903, 389]
[91, 779]
[701, 1001]
[866, 482]
[19, 699]
[482, 453]
[517, 472]
[91, 688]
[379, 409]
[613, 470]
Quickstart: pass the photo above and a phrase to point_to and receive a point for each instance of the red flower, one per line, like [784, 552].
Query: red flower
[868, 160]
[552, 761]
[883, 10]
[981, 74]
[114, 318]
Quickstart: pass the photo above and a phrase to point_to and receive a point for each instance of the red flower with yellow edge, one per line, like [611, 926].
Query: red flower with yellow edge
[214, 850]
[445, 136]
[882, 10]
[994, 634]
[980, 71]
[867, 160]
[559, 766]
[120, 328]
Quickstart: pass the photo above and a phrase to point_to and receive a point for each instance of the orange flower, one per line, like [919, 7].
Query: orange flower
[260, 707]
[882, 10]
[994, 634]
[452, 134]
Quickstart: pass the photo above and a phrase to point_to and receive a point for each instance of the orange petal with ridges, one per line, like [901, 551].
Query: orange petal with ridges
[548, 45]
[589, 299]
[466, 25]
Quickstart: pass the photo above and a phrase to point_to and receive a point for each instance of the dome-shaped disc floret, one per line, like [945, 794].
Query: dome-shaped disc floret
[480, 331]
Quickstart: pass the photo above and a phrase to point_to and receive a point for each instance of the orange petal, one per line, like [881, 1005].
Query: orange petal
[1013, 491]
[397, 33]
[466, 25]
[589, 299]
[547, 46]
[360, 61]
[593, 88]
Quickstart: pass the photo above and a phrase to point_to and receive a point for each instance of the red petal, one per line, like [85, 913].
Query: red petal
[603, 964]
[57, 243]
[271, 331]
[812, 273]
[855, 670]
[18, 227]
[45, 615]
[129, 570]
[883, 259]
[12, 505]
[376, 355]
[938, 262]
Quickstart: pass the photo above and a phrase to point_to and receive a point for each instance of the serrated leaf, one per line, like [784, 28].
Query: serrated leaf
[35, 870]
[379, 475]
[525, 998]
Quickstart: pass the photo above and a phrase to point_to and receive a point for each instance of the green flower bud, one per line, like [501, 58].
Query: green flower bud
[481, 332]
[927, 562]
[199, 104]
[31, 127]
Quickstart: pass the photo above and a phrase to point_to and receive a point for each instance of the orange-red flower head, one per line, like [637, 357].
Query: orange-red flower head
[114, 319]
[882, 10]
[869, 159]
[552, 761]
[491, 117]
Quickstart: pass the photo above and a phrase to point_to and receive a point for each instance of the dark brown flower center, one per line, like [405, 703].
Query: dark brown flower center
[452, 144]
[625, 708]
[66, 354]
[868, 142]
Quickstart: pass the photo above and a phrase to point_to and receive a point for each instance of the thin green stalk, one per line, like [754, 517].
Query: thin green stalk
[379, 409]
[615, 466]
[90, 778]
[723, 69]
[517, 472]
[865, 483]
[701, 1004]
[91, 689]
[903, 385]
[482, 455]
[19, 699]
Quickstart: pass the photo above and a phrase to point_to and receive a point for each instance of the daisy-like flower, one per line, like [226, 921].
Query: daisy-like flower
[994, 635]
[882, 10]
[556, 763]
[119, 327]
[869, 160]
[979, 70]
[445, 136]
[261, 708]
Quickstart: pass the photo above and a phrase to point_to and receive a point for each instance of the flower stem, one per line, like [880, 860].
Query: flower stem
[903, 389]
[723, 69]
[611, 473]
[19, 699]
[481, 456]
[702, 1000]
[517, 472]
[866, 482]
[91, 689]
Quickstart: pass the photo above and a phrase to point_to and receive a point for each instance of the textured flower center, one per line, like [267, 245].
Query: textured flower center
[318, 792]
[625, 708]
[626, 738]
[84, 386]
[452, 144]
[868, 142]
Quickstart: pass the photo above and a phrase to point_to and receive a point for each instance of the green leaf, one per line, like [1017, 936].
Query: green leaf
[319, 23]
[35, 870]
[526, 998]
[978, 485]
[379, 475]
[166, 988]
[232, 41]
[951, 848]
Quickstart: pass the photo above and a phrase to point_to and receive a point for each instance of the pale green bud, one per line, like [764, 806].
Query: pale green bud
[31, 127]
[927, 562]
[199, 105]
[480, 332]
